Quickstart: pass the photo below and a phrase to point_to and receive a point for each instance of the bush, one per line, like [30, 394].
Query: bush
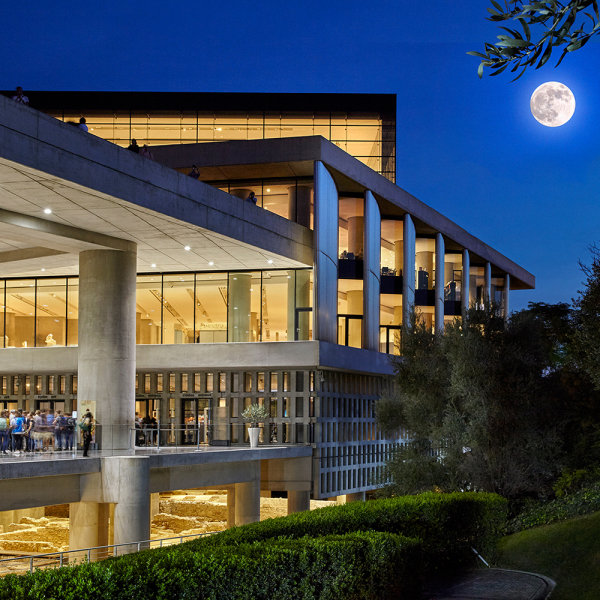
[358, 551]
[449, 525]
[369, 566]
[583, 502]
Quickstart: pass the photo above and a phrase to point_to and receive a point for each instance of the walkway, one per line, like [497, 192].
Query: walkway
[490, 584]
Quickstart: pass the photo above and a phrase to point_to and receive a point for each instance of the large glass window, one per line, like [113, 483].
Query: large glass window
[170, 309]
[51, 311]
[211, 308]
[365, 136]
[276, 312]
[245, 307]
[72, 311]
[20, 313]
[3, 340]
[178, 309]
[149, 309]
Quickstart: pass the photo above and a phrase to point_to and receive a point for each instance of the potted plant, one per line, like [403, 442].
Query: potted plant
[255, 413]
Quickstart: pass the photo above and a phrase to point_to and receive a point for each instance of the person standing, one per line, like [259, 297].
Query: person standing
[194, 173]
[3, 432]
[17, 432]
[20, 97]
[82, 124]
[134, 146]
[70, 433]
[252, 198]
[86, 426]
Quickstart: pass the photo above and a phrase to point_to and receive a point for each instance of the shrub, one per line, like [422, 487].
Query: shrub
[358, 551]
[369, 566]
[577, 504]
[449, 525]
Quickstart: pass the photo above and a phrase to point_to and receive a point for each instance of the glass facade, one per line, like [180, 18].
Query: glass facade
[185, 308]
[290, 198]
[366, 136]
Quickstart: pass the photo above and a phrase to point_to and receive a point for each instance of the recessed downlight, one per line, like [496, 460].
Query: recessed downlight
[47, 211]
[211, 263]
[187, 248]
[270, 262]
[153, 266]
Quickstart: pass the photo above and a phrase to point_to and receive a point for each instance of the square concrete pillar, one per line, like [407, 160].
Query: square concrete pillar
[298, 502]
[247, 502]
[88, 525]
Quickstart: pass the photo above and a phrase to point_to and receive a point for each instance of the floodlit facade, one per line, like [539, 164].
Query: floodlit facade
[147, 291]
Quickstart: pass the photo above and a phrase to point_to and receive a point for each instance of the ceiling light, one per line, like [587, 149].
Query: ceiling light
[268, 189]
[43, 269]
[47, 211]
[153, 265]
[211, 263]
[187, 248]
[270, 262]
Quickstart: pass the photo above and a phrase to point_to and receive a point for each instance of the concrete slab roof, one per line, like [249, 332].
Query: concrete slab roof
[103, 196]
[294, 157]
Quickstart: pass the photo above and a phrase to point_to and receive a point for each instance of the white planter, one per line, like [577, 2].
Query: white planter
[253, 433]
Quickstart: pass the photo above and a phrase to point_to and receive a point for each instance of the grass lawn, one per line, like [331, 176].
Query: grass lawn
[568, 552]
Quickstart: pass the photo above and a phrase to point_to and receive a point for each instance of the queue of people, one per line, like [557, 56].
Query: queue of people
[23, 432]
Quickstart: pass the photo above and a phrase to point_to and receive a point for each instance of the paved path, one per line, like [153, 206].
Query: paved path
[490, 584]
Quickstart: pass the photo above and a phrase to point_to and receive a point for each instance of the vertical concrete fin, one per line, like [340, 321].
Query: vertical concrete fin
[408, 272]
[465, 292]
[440, 253]
[372, 273]
[326, 248]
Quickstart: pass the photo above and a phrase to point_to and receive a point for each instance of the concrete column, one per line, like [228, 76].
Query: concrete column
[371, 274]
[88, 525]
[230, 507]
[298, 502]
[487, 283]
[106, 355]
[325, 273]
[440, 273]
[247, 502]
[241, 193]
[356, 497]
[126, 483]
[424, 262]
[299, 201]
[408, 278]
[239, 315]
[298, 297]
[506, 294]
[465, 292]
[356, 235]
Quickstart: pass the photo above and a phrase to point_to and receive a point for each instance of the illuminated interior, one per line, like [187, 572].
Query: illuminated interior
[173, 308]
[360, 135]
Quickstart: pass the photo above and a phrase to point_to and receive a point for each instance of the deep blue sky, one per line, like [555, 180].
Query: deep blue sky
[468, 147]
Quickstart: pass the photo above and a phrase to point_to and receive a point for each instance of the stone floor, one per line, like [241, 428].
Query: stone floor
[490, 584]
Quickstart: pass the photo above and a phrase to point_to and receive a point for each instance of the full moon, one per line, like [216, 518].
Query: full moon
[552, 104]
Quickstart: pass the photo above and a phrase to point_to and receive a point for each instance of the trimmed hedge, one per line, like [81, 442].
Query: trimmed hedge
[450, 525]
[357, 551]
[358, 566]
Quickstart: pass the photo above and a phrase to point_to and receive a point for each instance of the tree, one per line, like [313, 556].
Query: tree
[476, 405]
[556, 24]
[588, 318]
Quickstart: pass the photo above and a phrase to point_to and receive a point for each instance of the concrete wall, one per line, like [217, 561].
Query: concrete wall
[179, 357]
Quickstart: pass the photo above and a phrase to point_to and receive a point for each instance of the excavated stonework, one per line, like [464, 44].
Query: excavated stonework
[185, 512]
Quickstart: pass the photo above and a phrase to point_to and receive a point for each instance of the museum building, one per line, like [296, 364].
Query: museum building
[130, 287]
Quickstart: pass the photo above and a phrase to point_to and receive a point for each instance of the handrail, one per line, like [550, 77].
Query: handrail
[154, 435]
[60, 559]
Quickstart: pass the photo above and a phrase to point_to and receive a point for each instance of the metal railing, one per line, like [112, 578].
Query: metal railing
[170, 436]
[55, 560]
